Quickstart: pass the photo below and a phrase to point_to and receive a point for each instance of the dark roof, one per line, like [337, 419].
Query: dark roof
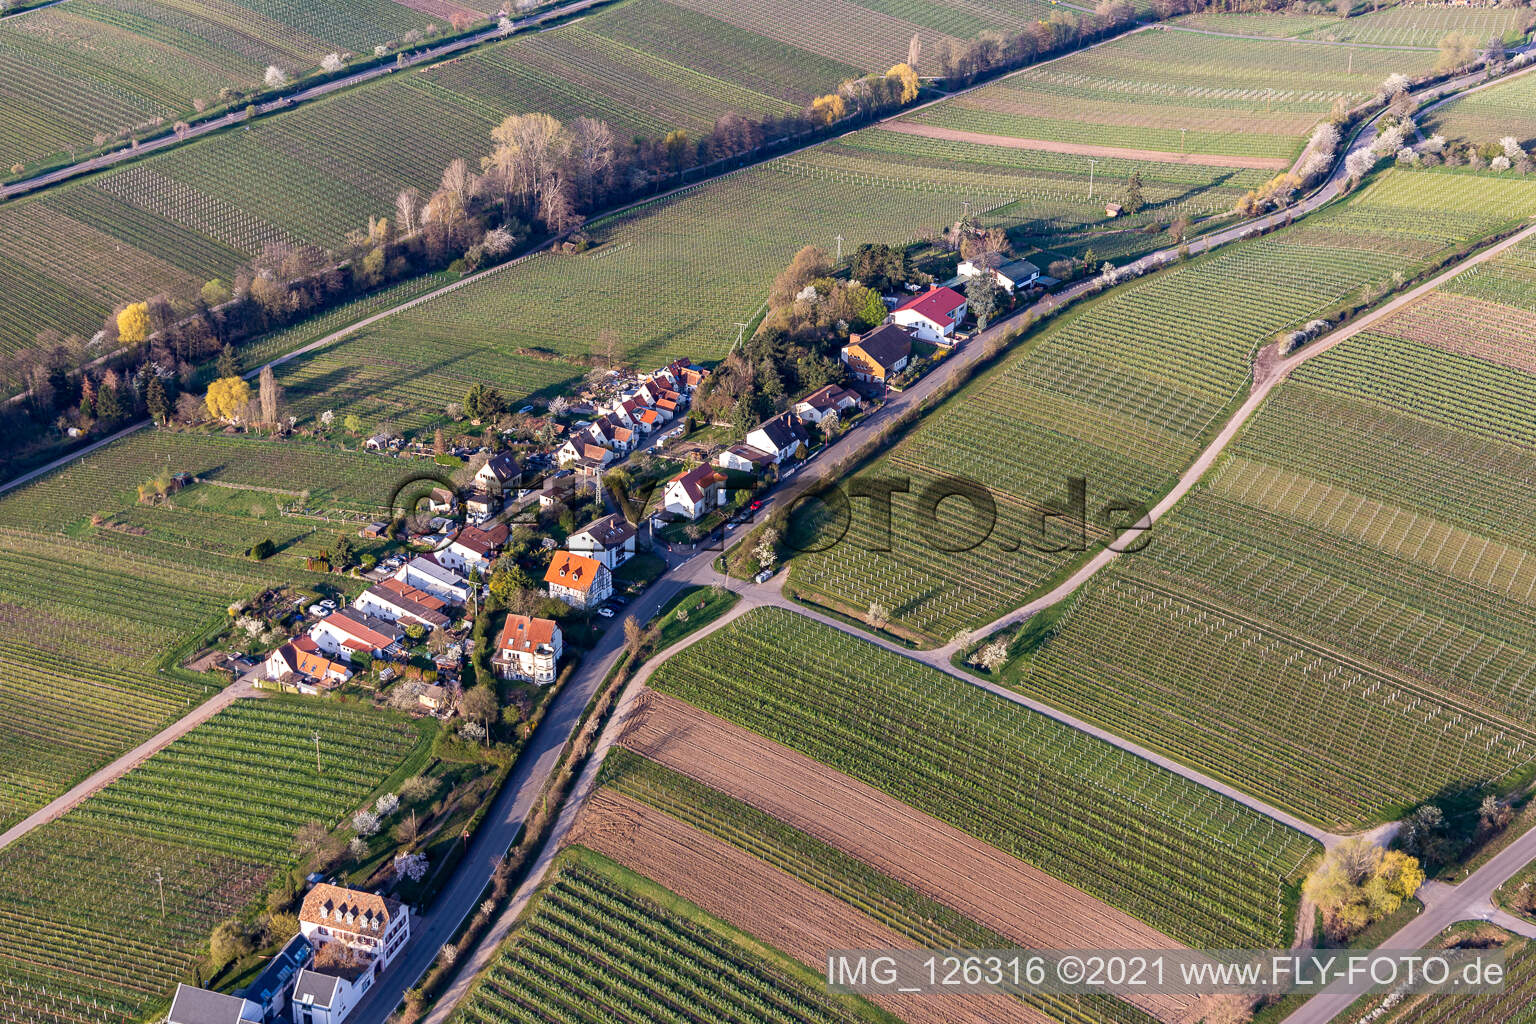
[886, 345]
[200, 1006]
[609, 531]
[504, 467]
[316, 988]
[827, 397]
[784, 430]
[280, 970]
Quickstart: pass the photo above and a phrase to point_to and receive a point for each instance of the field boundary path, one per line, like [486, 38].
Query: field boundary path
[288, 102]
[933, 131]
[104, 776]
[1261, 389]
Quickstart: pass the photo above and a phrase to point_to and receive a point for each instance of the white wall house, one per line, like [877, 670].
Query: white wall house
[425, 572]
[694, 493]
[528, 648]
[356, 936]
[933, 316]
[610, 540]
[350, 631]
[579, 581]
[781, 437]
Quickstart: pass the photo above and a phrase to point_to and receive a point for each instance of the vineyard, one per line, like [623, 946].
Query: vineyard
[923, 920]
[73, 75]
[1402, 25]
[1514, 1003]
[214, 815]
[593, 938]
[1488, 115]
[1380, 578]
[1121, 393]
[93, 609]
[1178, 92]
[1182, 859]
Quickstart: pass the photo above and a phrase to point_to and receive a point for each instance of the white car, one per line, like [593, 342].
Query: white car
[606, 613]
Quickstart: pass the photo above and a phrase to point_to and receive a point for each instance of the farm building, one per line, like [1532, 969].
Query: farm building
[825, 401]
[610, 540]
[579, 581]
[879, 355]
[353, 631]
[933, 316]
[528, 648]
[394, 601]
[695, 492]
[425, 572]
[300, 665]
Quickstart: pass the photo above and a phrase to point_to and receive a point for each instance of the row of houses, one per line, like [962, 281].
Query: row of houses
[625, 422]
[347, 939]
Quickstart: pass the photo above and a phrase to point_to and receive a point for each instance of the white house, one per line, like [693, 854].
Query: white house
[350, 631]
[328, 995]
[579, 581]
[200, 1006]
[300, 665]
[825, 401]
[362, 922]
[610, 540]
[528, 648]
[933, 316]
[781, 437]
[394, 601]
[473, 548]
[743, 458]
[1010, 274]
[500, 474]
[425, 572]
[694, 493]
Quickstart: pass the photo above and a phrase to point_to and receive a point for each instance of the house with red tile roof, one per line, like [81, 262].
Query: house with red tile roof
[300, 665]
[350, 631]
[579, 581]
[695, 492]
[397, 601]
[528, 648]
[933, 316]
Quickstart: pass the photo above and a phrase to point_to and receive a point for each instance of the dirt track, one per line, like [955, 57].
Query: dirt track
[763, 901]
[933, 131]
[990, 887]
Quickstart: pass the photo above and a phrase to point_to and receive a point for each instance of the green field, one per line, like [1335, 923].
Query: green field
[1488, 115]
[1177, 92]
[93, 611]
[597, 935]
[1191, 863]
[924, 921]
[1379, 578]
[1122, 393]
[1514, 1003]
[75, 75]
[1401, 25]
[215, 814]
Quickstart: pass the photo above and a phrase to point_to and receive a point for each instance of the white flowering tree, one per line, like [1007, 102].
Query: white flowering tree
[275, 77]
[1499, 163]
[410, 866]
[1394, 84]
[1512, 148]
[365, 823]
[386, 805]
[1359, 163]
[332, 63]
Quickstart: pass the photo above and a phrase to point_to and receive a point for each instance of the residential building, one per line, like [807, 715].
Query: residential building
[782, 436]
[328, 994]
[501, 474]
[743, 458]
[1010, 274]
[300, 665]
[433, 697]
[694, 493]
[200, 1006]
[375, 926]
[271, 988]
[474, 548]
[441, 501]
[824, 402]
[610, 540]
[528, 648]
[350, 631]
[425, 572]
[933, 316]
[395, 601]
[481, 505]
[579, 581]
[880, 354]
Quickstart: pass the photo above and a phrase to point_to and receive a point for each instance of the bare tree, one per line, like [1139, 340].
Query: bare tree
[408, 209]
[914, 51]
[270, 394]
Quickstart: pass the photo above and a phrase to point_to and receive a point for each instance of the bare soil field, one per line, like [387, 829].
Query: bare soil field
[1469, 326]
[933, 131]
[761, 900]
[941, 862]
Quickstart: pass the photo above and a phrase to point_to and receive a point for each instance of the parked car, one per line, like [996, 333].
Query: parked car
[763, 576]
[606, 613]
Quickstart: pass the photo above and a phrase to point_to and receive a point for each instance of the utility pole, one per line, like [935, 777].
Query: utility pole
[839, 248]
[966, 203]
[160, 881]
[1183, 146]
[1091, 164]
[317, 751]
[1351, 63]
[741, 330]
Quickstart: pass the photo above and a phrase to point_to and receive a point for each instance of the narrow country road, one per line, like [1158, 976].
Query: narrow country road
[110, 773]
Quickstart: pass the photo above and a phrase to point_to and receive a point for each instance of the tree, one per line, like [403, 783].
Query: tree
[133, 323]
[878, 615]
[827, 109]
[481, 706]
[439, 442]
[1457, 49]
[275, 78]
[227, 398]
[633, 635]
[992, 656]
[156, 401]
[109, 399]
[228, 365]
[1426, 835]
[352, 423]
[270, 394]
[914, 50]
[767, 551]
[214, 292]
[1134, 199]
[344, 552]
[230, 941]
[1358, 883]
[984, 298]
[482, 401]
[1493, 815]
[678, 149]
[904, 74]
[332, 63]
